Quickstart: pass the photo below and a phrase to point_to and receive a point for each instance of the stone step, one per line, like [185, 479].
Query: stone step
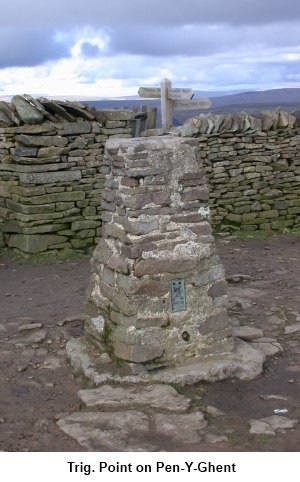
[133, 431]
[156, 396]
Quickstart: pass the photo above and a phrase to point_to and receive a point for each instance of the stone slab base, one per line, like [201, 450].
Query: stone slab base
[150, 397]
[133, 431]
[135, 418]
[244, 362]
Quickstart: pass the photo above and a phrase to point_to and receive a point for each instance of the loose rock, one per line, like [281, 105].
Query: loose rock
[30, 327]
[247, 333]
[214, 439]
[36, 337]
[238, 278]
[269, 349]
[273, 397]
[269, 425]
[291, 329]
[215, 412]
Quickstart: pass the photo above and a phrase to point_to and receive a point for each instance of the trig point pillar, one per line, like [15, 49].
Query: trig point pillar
[157, 295]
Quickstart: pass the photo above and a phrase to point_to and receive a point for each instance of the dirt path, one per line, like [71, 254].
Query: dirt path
[37, 387]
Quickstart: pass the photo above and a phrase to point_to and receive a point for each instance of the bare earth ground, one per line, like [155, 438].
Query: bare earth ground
[37, 387]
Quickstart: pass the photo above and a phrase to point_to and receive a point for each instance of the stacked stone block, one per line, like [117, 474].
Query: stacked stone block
[252, 166]
[52, 177]
[51, 182]
[156, 231]
[254, 179]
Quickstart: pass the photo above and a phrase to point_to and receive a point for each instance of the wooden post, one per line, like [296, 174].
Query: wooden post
[166, 104]
[140, 124]
[151, 117]
[143, 119]
[133, 123]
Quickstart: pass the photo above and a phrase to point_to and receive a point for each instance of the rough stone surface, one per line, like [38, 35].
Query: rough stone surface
[50, 177]
[269, 349]
[247, 333]
[52, 153]
[137, 353]
[258, 427]
[180, 428]
[144, 250]
[99, 432]
[269, 425]
[37, 336]
[243, 362]
[128, 430]
[113, 397]
[215, 412]
[27, 112]
[214, 439]
[291, 329]
[30, 243]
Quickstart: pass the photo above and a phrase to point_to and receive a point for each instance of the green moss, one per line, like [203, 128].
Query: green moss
[233, 439]
[295, 231]
[119, 362]
[198, 404]
[106, 333]
[178, 387]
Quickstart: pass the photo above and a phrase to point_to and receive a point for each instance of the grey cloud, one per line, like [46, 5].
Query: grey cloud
[29, 48]
[168, 12]
[153, 28]
[200, 40]
[164, 42]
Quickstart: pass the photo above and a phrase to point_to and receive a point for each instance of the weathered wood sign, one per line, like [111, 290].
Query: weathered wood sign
[173, 94]
[173, 98]
[191, 104]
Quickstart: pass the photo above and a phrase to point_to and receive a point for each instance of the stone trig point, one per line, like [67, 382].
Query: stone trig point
[157, 296]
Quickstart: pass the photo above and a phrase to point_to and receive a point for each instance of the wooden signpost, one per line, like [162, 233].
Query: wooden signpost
[177, 99]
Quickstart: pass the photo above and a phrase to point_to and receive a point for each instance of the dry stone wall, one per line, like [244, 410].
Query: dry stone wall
[252, 166]
[255, 185]
[52, 174]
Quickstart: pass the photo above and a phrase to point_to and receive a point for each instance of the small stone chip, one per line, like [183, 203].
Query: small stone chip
[30, 327]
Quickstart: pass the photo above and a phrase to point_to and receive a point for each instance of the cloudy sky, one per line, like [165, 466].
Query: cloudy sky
[101, 48]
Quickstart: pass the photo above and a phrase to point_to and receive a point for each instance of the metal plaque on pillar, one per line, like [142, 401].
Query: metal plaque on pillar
[178, 295]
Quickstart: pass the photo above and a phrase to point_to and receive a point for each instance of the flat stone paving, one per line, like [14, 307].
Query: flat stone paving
[114, 424]
[133, 415]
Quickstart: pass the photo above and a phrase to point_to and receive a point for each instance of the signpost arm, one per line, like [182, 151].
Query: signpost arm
[166, 105]
[177, 99]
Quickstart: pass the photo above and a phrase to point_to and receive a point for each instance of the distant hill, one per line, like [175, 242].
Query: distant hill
[275, 96]
[253, 102]
[250, 102]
